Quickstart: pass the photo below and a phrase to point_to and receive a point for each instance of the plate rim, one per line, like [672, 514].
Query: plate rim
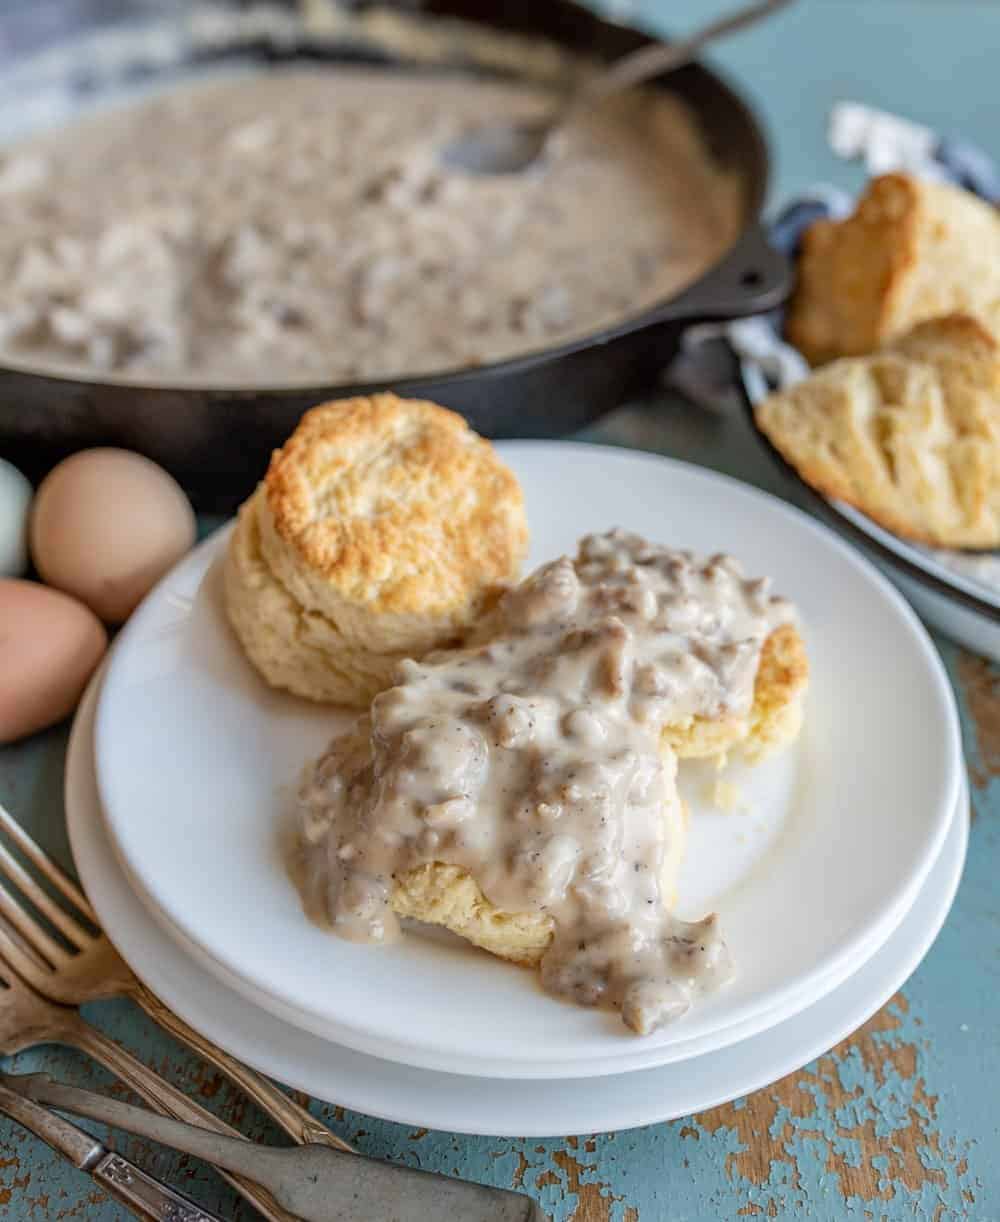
[543, 1065]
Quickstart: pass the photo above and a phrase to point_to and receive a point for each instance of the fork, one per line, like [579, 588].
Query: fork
[27, 1019]
[93, 971]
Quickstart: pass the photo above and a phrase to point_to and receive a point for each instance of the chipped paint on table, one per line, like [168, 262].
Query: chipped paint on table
[900, 1121]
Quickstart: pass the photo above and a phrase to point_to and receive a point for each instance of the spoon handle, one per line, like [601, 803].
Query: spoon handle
[659, 58]
[232, 1153]
[145, 1196]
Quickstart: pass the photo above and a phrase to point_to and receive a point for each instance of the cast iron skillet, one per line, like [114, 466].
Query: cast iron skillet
[217, 441]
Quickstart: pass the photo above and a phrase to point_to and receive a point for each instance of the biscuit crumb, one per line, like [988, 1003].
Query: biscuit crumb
[727, 797]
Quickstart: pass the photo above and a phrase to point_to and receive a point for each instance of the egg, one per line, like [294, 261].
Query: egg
[105, 526]
[15, 499]
[50, 645]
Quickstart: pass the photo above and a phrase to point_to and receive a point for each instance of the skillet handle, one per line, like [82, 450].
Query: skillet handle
[751, 279]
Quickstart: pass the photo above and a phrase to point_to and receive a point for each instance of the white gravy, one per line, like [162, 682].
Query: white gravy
[532, 758]
[299, 226]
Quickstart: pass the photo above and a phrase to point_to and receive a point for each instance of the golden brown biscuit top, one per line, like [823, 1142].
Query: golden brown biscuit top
[912, 250]
[397, 504]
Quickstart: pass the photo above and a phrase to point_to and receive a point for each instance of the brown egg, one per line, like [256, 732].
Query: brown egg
[105, 527]
[50, 645]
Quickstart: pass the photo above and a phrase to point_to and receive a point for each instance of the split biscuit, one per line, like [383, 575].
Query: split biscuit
[447, 895]
[909, 435]
[911, 251]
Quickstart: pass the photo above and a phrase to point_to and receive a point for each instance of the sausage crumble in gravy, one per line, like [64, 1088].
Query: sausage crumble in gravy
[532, 758]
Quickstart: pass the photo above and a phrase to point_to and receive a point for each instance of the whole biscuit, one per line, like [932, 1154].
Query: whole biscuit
[384, 528]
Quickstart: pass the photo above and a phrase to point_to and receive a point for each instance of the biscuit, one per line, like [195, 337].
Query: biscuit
[447, 895]
[383, 529]
[775, 717]
[911, 251]
[909, 435]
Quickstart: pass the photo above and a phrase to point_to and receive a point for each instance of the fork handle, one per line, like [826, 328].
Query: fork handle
[296, 1121]
[78, 1033]
[145, 1196]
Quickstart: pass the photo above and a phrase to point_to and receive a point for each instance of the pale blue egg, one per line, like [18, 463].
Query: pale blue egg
[15, 501]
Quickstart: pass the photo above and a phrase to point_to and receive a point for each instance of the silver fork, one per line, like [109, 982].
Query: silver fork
[94, 970]
[27, 1019]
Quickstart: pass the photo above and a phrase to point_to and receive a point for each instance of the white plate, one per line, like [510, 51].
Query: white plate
[688, 1048]
[195, 757]
[973, 623]
[472, 1105]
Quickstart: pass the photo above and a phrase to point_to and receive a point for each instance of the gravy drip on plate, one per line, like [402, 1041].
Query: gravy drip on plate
[533, 759]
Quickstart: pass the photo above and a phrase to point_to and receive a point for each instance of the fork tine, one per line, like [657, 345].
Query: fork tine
[21, 879]
[30, 930]
[21, 956]
[42, 862]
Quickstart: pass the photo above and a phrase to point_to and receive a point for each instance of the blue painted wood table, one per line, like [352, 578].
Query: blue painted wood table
[899, 1121]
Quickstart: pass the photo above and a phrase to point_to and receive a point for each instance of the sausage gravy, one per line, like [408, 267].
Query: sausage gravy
[299, 226]
[532, 758]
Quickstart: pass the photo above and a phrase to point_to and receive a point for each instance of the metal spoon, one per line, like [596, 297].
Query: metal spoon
[507, 147]
[315, 1182]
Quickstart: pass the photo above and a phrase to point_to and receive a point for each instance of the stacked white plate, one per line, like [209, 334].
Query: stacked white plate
[831, 884]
